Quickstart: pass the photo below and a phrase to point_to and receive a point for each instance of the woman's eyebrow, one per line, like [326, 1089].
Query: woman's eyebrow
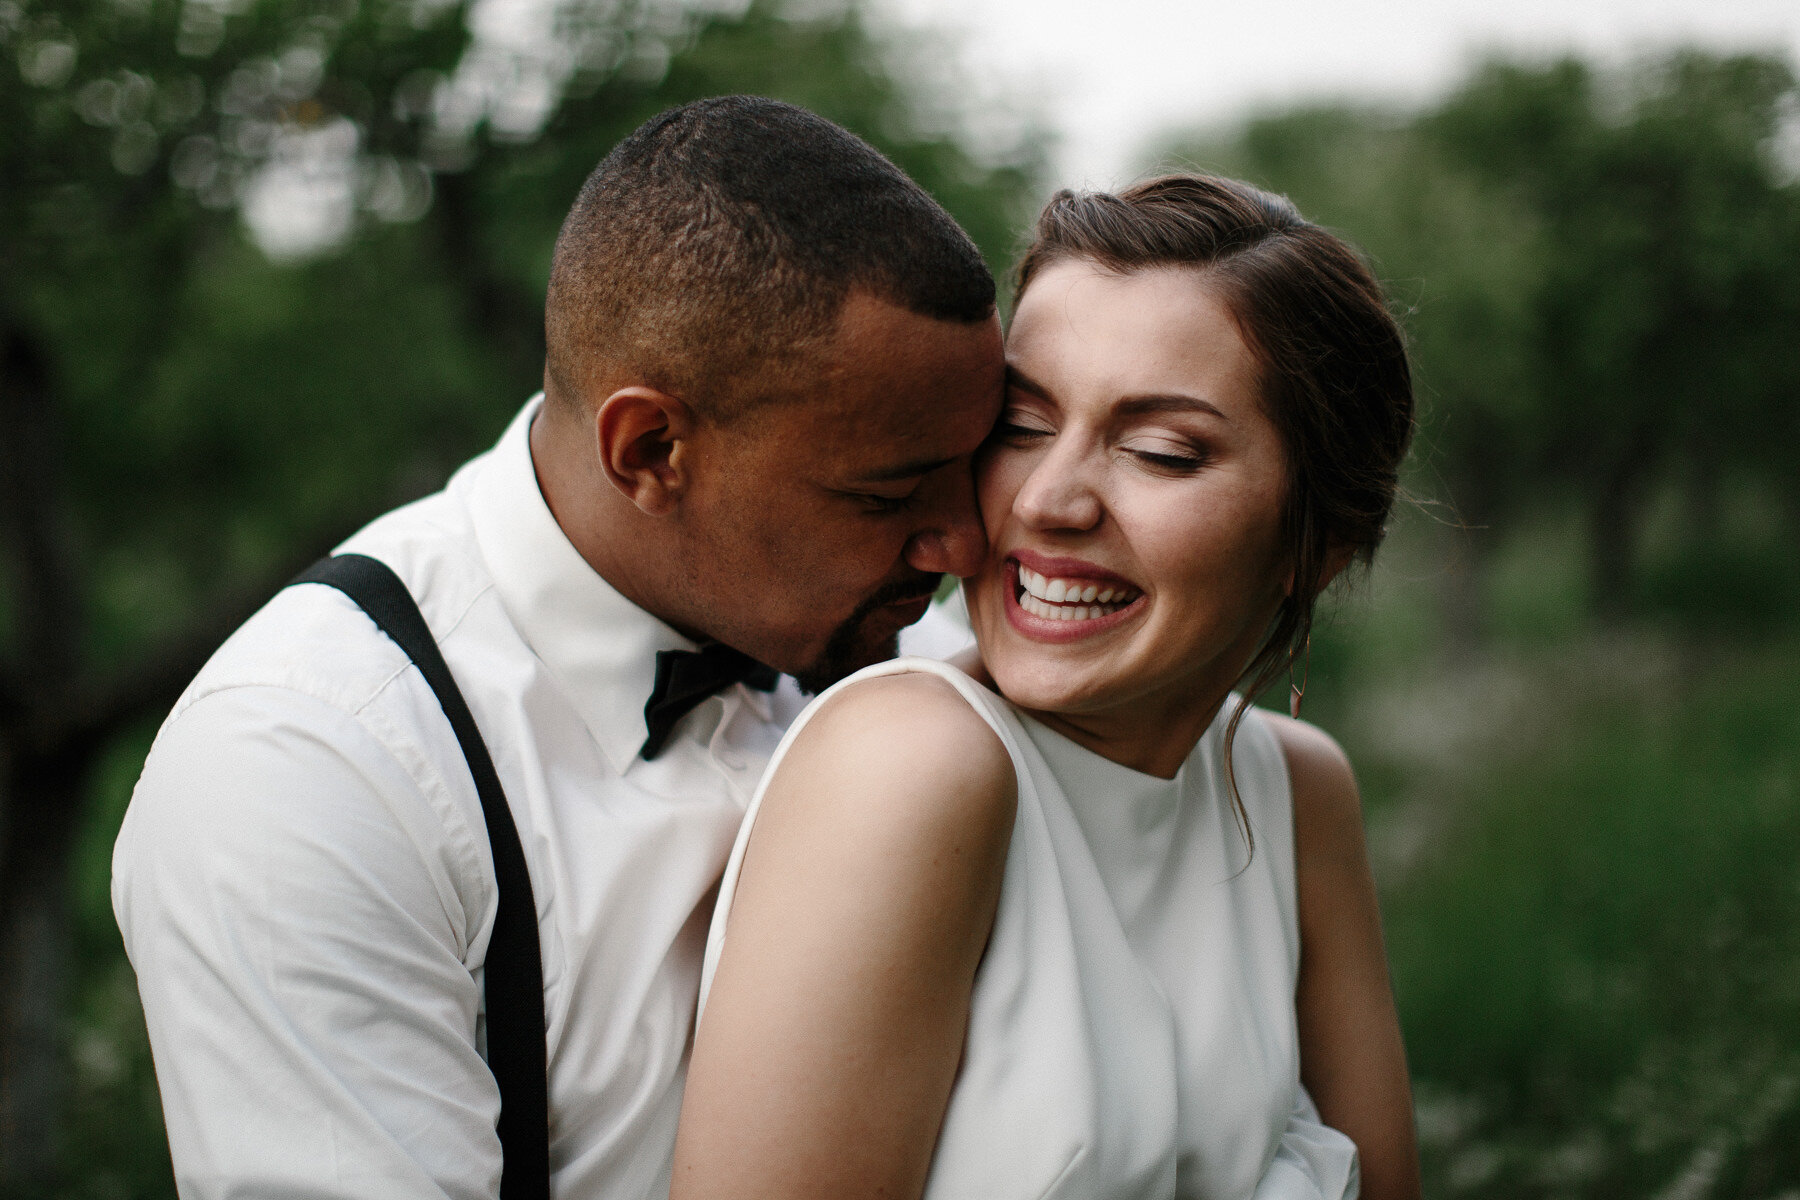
[1135, 406]
[1130, 406]
[1025, 383]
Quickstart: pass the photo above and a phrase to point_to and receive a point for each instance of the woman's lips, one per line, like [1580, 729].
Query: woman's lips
[1067, 606]
[1052, 566]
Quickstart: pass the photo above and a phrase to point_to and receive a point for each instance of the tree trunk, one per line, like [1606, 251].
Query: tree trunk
[496, 309]
[43, 802]
[40, 771]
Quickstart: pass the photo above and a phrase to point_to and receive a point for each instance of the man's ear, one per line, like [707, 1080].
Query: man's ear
[643, 436]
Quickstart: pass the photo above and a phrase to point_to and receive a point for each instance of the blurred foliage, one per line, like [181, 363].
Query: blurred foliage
[1613, 1008]
[1598, 271]
[1585, 847]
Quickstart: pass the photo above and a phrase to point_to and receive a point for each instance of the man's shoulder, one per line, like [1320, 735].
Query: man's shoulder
[309, 718]
[314, 640]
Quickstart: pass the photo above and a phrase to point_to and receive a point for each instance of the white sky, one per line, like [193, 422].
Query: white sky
[1110, 74]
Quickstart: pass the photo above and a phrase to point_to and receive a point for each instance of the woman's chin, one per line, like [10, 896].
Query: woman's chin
[1028, 678]
[1033, 674]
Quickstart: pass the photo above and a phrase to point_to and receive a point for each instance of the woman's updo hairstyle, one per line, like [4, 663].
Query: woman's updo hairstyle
[1332, 361]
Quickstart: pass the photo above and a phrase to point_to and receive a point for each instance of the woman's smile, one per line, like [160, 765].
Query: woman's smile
[1132, 493]
[1057, 599]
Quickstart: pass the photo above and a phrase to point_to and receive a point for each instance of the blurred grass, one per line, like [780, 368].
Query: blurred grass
[1602, 947]
[1589, 848]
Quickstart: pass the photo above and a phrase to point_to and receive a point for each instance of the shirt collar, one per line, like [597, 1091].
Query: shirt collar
[600, 646]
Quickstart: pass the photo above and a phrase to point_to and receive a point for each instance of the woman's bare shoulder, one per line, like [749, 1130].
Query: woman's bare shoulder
[909, 747]
[1327, 802]
[1352, 1060]
[868, 893]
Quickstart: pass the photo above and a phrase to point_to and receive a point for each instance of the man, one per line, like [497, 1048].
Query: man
[770, 359]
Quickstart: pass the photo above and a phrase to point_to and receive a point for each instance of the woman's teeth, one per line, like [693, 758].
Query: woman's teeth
[1070, 599]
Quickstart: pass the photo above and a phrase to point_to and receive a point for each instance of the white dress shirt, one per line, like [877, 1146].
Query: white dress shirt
[305, 889]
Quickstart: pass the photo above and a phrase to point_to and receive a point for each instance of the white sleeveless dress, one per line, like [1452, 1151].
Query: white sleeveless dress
[1132, 1032]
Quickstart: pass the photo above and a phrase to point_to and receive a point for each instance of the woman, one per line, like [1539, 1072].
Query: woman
[1087, 937]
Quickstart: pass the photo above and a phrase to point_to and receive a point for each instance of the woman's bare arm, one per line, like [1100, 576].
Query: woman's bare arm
[1352, 1060]
[835, 1023]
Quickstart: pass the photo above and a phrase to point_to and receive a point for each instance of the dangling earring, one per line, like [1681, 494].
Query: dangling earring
[1297, 691]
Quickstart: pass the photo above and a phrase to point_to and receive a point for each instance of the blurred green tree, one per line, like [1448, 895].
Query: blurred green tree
[1601, 276]
[1662, 321]
[187, 418]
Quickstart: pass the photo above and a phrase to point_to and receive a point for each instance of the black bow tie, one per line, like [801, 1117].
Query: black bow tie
[686, 677]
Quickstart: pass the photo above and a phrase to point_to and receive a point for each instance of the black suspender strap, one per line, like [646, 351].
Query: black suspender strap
[514, 970]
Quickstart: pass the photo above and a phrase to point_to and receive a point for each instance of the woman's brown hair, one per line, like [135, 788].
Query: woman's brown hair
[1332, 361]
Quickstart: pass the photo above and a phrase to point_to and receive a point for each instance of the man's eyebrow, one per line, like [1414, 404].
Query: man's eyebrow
[905, 470]
[1134, 406]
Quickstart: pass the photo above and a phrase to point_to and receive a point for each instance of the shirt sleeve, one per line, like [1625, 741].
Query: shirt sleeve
[300, 924]
[1313, 1160]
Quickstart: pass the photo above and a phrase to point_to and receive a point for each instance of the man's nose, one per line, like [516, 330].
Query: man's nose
[955, 542]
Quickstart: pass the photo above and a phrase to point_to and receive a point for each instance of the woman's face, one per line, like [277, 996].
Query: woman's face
[1132, 494]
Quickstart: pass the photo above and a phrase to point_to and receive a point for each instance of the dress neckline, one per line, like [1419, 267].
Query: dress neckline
[1111, 800]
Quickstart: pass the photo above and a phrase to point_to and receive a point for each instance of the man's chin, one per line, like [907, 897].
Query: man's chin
[846, 655]
[871, 634]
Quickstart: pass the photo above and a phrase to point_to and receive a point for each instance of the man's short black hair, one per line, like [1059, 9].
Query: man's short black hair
[719, 241]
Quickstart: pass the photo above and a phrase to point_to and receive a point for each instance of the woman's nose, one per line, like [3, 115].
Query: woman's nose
[1059, 494]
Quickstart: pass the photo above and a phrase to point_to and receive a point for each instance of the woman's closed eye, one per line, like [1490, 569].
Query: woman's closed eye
[1167, 455]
